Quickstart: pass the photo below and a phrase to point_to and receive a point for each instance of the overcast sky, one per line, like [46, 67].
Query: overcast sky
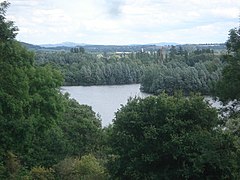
[124, 21]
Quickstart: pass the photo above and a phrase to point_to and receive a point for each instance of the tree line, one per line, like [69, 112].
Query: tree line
[195, 71]
[88, 69]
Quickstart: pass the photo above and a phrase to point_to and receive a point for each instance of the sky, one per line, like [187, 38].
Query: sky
[122, 22]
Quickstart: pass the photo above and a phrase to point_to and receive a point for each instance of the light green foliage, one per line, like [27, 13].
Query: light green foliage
[89, 168]
[86, 168]
[233, 126]
[41, 173]
[168, 137]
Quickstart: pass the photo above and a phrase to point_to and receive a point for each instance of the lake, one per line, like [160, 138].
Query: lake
[105, 100]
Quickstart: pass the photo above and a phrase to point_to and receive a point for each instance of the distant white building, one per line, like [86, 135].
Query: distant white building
[120, 53]
[99, 56]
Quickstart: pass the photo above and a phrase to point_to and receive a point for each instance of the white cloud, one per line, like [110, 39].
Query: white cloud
[52, 17]
[124, 21]
[232, 12]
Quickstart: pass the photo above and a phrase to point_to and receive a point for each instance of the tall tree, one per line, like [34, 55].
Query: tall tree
[168, 137]
[30, 100]
[233, 42]
[228, 87]
[7, 28]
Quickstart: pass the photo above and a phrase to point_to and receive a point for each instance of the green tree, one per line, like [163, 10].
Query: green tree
[30, 100]
[196, 74]
[173, 52]
[233, 42]
[87, 167]
[168, 137]
[7, 28]
[81, 129]
[38, 125]
[228, 86]
[41, 173]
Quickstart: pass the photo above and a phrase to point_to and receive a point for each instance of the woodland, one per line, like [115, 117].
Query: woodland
[174, 134]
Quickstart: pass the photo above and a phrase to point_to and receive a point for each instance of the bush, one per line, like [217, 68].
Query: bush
[88, 167]
[41, 173]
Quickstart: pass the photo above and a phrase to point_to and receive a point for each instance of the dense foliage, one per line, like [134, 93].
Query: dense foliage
[39, 127]
[7, 28]
[80, 129]
[168, 137]
[194, 72]
[176, 70]
[47, 135]
[228, 87]
[88, 69]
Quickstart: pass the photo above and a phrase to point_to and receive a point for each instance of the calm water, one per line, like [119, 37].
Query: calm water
[105, 100]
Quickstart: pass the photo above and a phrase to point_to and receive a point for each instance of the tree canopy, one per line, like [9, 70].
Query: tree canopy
[7, 28]
[170, 137]
[39, 126]
[46, 135]
[228, 87]
[197, 72]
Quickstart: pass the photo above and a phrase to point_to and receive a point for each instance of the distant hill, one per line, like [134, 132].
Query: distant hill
[66, 46]
[165, 44]
[31, 46]
[42, 48]
[63, 44]
[72, 44]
